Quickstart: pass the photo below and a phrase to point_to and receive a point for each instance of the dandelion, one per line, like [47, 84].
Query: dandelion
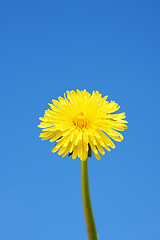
[78, 123]
[81, 122]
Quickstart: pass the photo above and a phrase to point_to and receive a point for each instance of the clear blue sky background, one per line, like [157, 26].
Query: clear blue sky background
[46, 48]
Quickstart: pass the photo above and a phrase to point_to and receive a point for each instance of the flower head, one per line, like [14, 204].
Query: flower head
[80, 122]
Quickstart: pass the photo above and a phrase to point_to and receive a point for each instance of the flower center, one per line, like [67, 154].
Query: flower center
[80, 120]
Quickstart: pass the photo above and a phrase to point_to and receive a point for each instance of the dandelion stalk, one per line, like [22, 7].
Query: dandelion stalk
[91, 228]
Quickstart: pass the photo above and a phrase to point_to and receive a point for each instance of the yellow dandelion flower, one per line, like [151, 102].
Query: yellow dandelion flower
[80, 122]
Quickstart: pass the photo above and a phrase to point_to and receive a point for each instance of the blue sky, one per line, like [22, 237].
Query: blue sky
[48, 47]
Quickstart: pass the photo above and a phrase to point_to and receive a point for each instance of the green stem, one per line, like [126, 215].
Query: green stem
[91, 228]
